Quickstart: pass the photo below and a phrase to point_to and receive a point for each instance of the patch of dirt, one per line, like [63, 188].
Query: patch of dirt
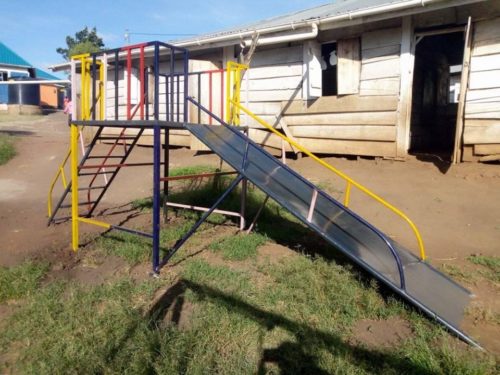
[380, 333]
[483, 314]
[455, 208]
[9, 358]
[84, 272]
[274, 253]
[6, 310]
[141, 272]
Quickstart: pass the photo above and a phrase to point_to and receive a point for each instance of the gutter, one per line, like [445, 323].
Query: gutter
[284, 38]
[245, 36]
[317, 21]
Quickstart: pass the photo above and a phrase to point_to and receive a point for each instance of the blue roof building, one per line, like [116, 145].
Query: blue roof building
[13, 65]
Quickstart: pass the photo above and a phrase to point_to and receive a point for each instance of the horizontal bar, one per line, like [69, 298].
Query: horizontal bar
[105, 157]
[94, 222]
[132, 231]
[181, 74]
[123, 137]
[91, 188]
[130, 123]
[93, 174]
[203, 209]
[193, 176]
[80, 204]
[99, 166]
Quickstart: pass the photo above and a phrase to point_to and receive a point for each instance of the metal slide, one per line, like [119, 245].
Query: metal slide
[414, 280]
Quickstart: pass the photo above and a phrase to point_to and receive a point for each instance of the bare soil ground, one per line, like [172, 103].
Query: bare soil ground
[455, 207]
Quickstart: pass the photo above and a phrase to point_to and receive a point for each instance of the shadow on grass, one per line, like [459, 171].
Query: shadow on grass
[274, 221]
[289, 356]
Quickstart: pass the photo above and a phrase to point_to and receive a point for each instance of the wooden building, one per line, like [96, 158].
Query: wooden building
[373, 77]
[365, 77]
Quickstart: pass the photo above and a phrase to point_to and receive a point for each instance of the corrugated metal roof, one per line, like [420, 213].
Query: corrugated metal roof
[331, 9]
[9, 57]
[44, 75]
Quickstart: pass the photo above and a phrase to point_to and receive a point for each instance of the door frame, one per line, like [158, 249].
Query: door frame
[409, 66]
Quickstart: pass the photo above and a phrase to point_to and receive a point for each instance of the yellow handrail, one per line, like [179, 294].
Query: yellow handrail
[350, 181]
[85, 109]
[233, 80]
[60, 171]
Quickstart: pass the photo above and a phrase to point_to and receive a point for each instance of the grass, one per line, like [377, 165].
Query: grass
[20, 281]
[239, 247]
[131, 247]
[458, 273]
[135, 249]
[490, 266]
[195, 169]
[298, 321]
[7, 149]
[293, 315]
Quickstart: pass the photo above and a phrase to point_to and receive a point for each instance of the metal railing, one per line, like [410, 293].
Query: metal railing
[90, 96]
[234, 72]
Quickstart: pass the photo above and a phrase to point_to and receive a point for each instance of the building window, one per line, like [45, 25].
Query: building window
[329, 69]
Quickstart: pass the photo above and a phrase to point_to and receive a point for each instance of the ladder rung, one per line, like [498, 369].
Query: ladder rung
[93, 174]
[80, 204]
[104, 157]
[92, 188]
[118, 138]
[101, 166]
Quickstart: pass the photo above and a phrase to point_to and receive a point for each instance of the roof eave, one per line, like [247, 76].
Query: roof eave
[382, 12]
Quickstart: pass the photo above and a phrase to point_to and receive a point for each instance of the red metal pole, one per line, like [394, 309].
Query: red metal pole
[129, 76]
[141, 79]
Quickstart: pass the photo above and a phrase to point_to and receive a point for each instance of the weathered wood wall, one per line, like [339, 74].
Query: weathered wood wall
[357, 124]
[275, 76]
[482, 106]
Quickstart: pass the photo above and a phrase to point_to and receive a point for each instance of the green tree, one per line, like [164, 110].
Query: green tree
[85, 41]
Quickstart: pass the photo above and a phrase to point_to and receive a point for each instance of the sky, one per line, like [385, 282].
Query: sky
[34, 29]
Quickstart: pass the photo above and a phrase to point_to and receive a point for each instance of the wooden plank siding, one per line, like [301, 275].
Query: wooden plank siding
[482, 105]
[362, 123]
[380, 62]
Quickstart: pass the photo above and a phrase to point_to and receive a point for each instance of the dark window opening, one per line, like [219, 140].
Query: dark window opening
[329, 69]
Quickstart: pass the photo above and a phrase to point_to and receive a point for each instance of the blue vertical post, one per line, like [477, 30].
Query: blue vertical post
[171, 74]
[156, 163]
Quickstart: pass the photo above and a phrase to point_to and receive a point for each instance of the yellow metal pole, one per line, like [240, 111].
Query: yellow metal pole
[237, 84]
[74, 187]
[341, 174]
[95, 222]
[102, 89]
[347, 194]
[54, 180]
[228, 93]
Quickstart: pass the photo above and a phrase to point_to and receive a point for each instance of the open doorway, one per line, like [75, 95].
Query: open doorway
[436, 84]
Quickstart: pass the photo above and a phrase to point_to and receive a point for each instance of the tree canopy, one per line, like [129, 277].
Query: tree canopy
[85, 41]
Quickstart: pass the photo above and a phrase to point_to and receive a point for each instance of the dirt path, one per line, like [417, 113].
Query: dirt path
[457, 212]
